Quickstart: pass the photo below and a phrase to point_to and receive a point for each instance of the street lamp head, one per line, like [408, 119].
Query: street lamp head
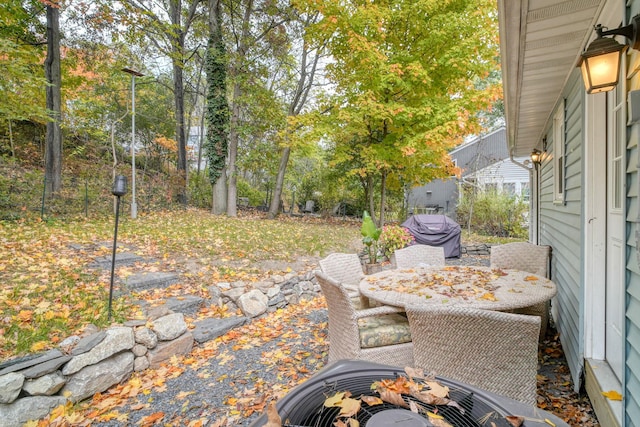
[132, 72]
[119, 186]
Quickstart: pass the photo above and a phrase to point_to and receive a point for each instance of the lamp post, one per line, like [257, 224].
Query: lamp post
[119, 189]
[134, 74]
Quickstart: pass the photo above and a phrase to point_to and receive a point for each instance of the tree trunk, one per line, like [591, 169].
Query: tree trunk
[13, 149]
[216, 145]
[372, 206]
[175, 8]
[219, 202]
[53, 145]
[232, 189]
[274, 208]
[383, 198]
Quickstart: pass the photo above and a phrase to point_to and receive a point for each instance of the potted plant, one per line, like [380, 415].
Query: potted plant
[371, 234]
[394, 237]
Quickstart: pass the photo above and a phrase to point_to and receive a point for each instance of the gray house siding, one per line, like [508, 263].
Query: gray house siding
[560, 227]
[632, 324]
[479, 154]
[441, 193]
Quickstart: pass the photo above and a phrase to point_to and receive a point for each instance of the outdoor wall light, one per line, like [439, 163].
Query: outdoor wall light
[536, 157]
[600, 62]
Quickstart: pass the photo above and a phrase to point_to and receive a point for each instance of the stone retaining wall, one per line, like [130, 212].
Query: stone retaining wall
[32, 386]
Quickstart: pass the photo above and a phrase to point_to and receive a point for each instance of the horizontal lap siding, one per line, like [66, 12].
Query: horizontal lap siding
[561, 228]
[632, 324]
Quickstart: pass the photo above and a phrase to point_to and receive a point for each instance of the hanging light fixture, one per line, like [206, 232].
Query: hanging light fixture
[536, 157]
[600, 62]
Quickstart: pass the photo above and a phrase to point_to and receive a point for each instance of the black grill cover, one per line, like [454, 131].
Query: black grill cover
[436, 230]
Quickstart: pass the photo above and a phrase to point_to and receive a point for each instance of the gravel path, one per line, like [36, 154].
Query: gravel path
[229, 381]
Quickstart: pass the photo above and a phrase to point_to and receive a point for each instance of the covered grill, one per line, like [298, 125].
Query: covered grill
[435, 230]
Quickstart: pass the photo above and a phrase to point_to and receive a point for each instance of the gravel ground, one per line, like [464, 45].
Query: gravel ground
[230, 380]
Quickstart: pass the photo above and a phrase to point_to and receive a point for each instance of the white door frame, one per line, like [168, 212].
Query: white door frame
[595, 226]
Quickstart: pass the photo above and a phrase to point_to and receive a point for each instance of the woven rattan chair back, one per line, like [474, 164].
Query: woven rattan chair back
[492, 350]
[343, 268]
[528, 257]
[522, 256]
[344, 334]
[415, 255]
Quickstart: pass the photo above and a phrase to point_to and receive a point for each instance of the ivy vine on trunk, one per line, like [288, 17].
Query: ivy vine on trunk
[216, 144]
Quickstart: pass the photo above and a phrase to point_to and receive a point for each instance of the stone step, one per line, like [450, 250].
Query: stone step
[123, 258]
[150, 280]
[187, 304]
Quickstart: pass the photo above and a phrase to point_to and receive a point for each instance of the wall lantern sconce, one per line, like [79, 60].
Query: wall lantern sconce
[600, 62]
[536, 157]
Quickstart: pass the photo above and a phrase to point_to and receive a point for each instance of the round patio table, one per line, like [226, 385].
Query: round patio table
[478, 287]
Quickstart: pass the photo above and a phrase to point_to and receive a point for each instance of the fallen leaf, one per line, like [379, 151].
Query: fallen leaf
[334, 400]
[437, 420]
[349, 407]
[515, 420]
[414, 372]
[531, 278]
[393, 397]
[273, 418]
[372, 400]
[612, 395]
[437, 389]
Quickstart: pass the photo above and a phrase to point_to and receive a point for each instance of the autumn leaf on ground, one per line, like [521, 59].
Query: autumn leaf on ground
[531, 278]
[612, 395]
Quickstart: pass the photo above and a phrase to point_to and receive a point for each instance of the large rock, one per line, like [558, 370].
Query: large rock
[99, 377]
[27, 409]
[10, 386]
[166, 349]
[28, 361]
[116, 340]
[47, 385]
[208, 329]
[146, 337]
[233, 294]
[253, 303]
[169, 327]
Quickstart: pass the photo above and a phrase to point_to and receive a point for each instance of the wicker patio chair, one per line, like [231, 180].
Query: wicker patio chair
[378, 334]
[415, 255]
[492, 350]
[346, 269]
[525, 256]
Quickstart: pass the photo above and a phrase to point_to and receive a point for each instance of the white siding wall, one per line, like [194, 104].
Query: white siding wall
[560, 227]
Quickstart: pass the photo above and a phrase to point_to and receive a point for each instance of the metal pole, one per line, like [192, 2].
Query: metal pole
[113, 257]
[134, 206]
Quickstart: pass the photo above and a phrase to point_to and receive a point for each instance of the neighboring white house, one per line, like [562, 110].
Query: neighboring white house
[585, 193]
[484, 162]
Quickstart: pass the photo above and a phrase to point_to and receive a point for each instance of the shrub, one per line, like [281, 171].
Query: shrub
[493, 213]
[394, 237]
